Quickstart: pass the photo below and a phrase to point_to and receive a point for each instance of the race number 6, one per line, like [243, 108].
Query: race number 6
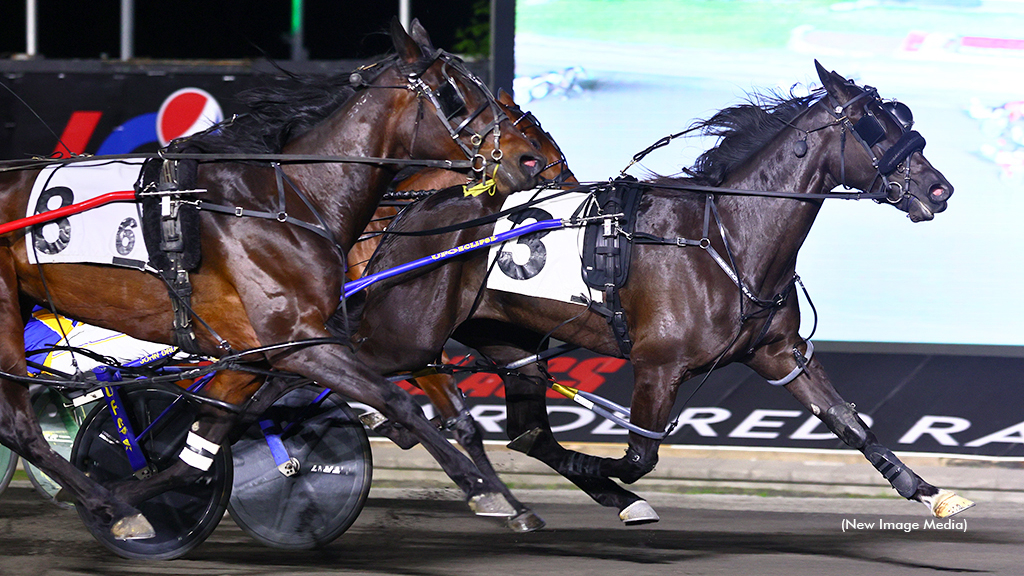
[538, 253]
[67, 198]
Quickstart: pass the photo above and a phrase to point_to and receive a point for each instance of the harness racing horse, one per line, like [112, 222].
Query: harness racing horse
[441, 388]
[689, 308]
[271, 280]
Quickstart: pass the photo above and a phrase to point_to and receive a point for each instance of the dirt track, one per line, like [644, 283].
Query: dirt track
[427, 532]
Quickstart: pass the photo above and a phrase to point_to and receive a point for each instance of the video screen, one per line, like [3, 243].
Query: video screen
[608, 78]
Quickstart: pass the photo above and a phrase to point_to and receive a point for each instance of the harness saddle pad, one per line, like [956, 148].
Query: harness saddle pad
[108, 234]
[545, 264]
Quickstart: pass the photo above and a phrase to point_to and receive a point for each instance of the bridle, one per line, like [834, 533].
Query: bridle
[448, 102]
[528, 118]
[869, 131]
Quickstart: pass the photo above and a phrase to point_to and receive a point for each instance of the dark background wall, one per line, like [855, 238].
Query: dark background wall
[230, 29]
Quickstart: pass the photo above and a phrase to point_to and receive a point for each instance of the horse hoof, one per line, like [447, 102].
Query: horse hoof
[639, 512]
[491, 504]
[525, 522]
[946, 503]
[133, 528]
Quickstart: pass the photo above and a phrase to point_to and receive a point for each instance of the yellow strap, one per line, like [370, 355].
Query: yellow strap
[484, 185]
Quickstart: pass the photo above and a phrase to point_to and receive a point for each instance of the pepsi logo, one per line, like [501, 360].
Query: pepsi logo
[186, 112]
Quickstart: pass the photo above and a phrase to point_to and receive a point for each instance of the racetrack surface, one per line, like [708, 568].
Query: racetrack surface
[429, 532]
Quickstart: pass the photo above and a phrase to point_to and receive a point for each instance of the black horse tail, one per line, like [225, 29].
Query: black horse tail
[344, 323]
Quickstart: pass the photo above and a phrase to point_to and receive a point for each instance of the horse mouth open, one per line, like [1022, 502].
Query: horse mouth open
[519, 176]
[919, 210]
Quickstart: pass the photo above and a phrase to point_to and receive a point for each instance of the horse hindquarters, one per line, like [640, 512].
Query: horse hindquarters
[20, 431]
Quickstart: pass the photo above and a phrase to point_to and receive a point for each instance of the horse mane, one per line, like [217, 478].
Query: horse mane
[278, 113]
[743, 130]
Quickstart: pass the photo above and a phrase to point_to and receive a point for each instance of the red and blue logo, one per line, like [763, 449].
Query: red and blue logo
[184, 112]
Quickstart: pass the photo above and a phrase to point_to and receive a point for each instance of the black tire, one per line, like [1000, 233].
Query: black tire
[318, 504]
[182, 518]
[60, 423]
[8, 463]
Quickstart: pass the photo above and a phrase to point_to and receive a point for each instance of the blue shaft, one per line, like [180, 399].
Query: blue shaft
[357, 285]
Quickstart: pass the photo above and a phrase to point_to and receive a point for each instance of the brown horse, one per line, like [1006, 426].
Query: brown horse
[442, 388]
[261, 281]
[712, 281]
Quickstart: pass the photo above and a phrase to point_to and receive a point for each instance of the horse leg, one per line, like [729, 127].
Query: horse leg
[20, 431]
[814, 390]
[334, 367]
[212, 427]
[448, 399]
[209, 430]
[529, 430]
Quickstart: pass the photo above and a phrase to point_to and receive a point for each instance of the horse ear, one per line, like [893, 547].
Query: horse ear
[505, 98]
[840, 88]
[419, 34]
[407, 48]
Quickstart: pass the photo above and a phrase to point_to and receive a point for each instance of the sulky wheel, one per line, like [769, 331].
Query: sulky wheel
[8, 463]
[182, 517]
[324, 496]
[60, 421]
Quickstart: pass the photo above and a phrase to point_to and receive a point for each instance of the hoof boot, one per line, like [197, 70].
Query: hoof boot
[525, 522]
[133, 528]
[491, 504]
[639, 512]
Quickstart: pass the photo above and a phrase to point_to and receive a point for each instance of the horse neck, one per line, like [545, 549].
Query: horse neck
[765, 234]
[347, 193]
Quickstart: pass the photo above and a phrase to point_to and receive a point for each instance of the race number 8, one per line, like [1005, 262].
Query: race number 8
[67, 198]
[538, 253]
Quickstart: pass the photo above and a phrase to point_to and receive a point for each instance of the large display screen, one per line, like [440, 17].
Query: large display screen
[608, 78]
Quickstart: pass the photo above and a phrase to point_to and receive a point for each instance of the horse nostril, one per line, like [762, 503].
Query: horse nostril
[940, 193]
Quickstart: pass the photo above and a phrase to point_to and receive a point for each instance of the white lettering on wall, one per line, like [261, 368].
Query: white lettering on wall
[1012, 435]
[701, 419]
[759, 419]
[941, 428]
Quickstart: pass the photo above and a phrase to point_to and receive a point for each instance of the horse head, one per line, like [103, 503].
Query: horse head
[893, 160]
[454, 112]
[557, 169]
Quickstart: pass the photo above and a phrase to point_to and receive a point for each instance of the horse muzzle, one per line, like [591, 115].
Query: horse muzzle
[520, 174]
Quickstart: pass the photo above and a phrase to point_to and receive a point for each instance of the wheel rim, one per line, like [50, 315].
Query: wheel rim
[318, 504]
[182, 518]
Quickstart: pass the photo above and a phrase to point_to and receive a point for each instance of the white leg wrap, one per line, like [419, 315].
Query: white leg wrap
[198, 452]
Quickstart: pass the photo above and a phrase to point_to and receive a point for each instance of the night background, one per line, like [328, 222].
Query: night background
[237, 29]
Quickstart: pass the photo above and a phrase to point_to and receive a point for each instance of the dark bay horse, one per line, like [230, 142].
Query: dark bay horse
[261, 281]
[687, 312]
[441, 388]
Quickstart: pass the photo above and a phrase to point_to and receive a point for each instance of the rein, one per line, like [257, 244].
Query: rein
[14, 165]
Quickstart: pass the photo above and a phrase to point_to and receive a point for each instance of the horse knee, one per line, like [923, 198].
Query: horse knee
[844, 422]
